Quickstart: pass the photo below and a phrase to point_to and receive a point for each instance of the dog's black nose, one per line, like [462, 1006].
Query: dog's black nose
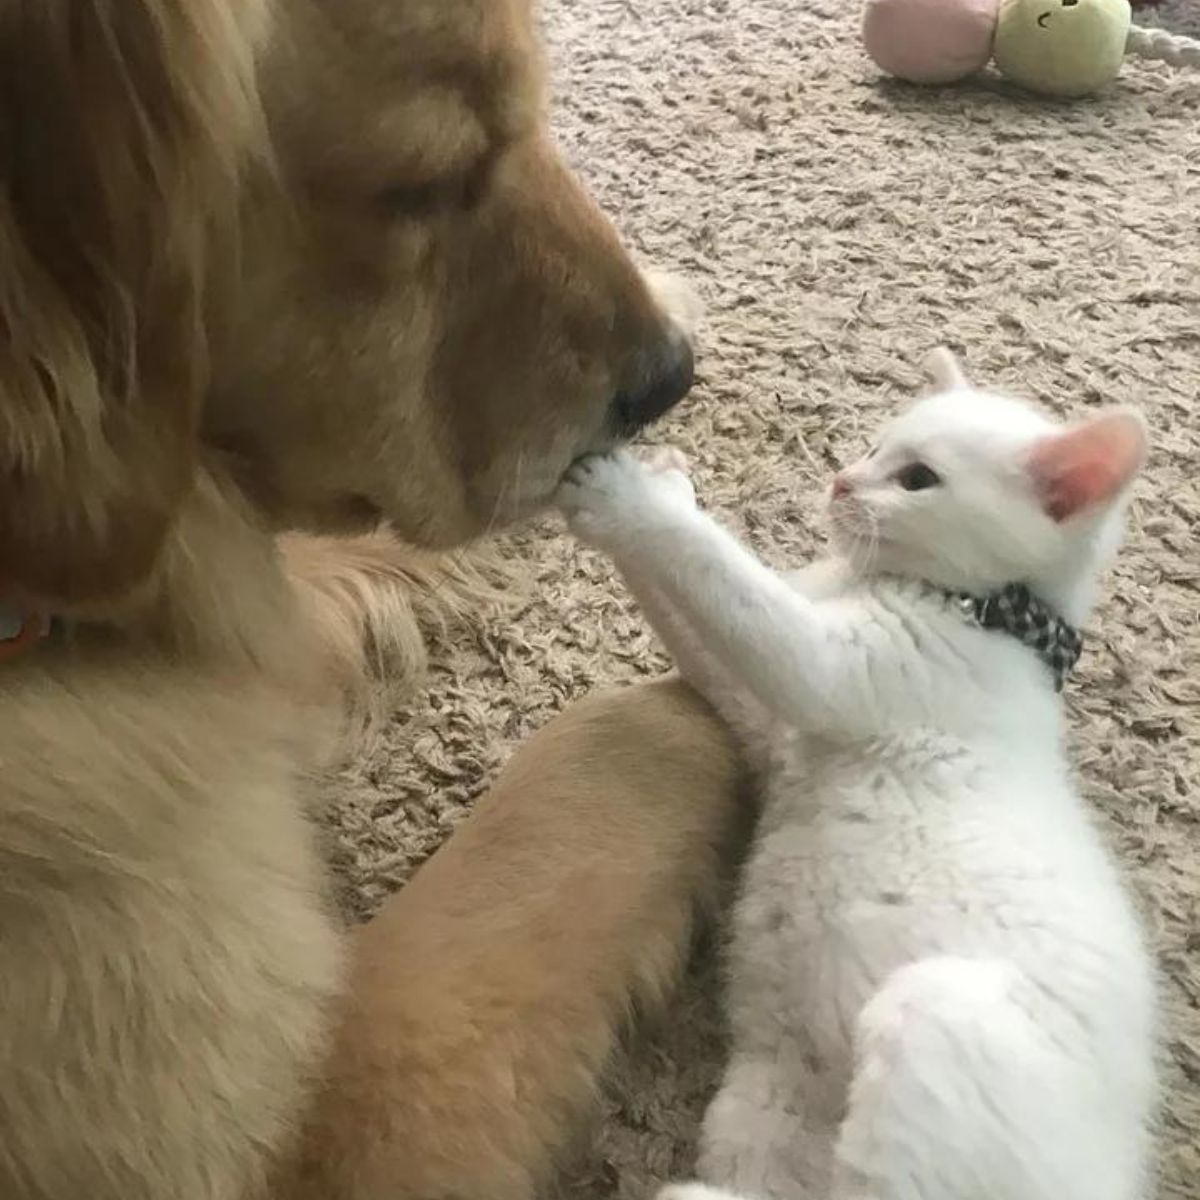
[662, 379]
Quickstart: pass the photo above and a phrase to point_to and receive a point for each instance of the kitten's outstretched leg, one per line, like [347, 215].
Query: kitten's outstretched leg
[958, 1091]
[795, 658]
[734, 705]
[698, 665]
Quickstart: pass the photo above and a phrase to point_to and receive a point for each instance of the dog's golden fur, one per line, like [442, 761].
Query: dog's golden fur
[302, 265]
[485, 1000]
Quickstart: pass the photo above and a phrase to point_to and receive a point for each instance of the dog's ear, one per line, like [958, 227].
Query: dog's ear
[124, 125]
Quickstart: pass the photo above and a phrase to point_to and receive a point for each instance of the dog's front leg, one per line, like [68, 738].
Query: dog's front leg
[486, 997]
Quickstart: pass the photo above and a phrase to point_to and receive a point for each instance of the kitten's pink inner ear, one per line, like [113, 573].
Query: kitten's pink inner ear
[1090, 464]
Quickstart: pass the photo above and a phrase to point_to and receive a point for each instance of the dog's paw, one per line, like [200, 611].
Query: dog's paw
[603, 495]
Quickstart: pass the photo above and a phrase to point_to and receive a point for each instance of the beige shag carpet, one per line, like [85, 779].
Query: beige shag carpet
[839, 225]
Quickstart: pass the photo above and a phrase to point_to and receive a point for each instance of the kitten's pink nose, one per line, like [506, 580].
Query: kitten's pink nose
[841, 485]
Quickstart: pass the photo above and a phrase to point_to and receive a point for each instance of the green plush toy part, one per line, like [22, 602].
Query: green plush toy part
[1061, 47]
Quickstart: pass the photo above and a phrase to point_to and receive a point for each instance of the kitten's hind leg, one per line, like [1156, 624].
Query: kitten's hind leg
[697, 1191]
[959, 1092]
[770, 1131]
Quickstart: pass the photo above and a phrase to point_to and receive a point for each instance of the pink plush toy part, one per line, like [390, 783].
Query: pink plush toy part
[930, 41]
[1064, 48]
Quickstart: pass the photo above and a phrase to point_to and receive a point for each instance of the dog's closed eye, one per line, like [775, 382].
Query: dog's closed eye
[426, 198]
[420, 200]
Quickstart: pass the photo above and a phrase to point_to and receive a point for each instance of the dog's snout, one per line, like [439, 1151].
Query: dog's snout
[664, 376]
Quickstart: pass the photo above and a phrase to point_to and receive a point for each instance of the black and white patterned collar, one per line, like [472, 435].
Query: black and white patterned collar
[1015, 610]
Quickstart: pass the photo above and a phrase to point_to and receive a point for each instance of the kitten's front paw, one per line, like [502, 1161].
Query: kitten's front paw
[605, 494]
[670, 466]
[598, 493]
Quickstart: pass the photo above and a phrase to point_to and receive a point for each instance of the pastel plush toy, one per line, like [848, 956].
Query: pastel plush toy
[1062, 49]
[1055, 47]
[930, 41]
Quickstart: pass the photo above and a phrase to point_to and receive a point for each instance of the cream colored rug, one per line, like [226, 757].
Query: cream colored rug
[839, 226]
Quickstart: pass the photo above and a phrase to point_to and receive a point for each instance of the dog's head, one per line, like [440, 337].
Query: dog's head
[388, 298]
[124, 126]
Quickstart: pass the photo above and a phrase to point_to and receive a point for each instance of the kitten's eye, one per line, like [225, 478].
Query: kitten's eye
[874, 450]
[916, 477]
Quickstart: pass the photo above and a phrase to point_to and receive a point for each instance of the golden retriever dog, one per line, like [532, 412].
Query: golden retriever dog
[275, 279]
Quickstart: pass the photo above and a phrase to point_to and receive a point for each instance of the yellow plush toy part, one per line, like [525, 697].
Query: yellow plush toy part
[1061, 47]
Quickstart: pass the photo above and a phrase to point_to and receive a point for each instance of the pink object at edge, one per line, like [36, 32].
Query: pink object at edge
[930, 41]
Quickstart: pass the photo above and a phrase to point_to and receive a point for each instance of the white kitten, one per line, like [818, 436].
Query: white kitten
[938, 989]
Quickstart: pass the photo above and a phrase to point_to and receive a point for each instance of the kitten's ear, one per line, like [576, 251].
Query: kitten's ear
[1090, 463]
[943, 368]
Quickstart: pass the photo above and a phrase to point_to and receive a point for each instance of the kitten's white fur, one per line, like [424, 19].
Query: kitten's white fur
[938, 989]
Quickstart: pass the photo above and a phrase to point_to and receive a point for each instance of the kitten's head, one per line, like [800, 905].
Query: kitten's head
[972, 490]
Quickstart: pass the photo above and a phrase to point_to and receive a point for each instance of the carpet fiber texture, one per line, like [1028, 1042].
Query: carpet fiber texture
[840, 225]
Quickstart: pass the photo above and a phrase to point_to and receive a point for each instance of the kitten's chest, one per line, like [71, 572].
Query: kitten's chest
[887, 779]
[862, 862]
[903, 828]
